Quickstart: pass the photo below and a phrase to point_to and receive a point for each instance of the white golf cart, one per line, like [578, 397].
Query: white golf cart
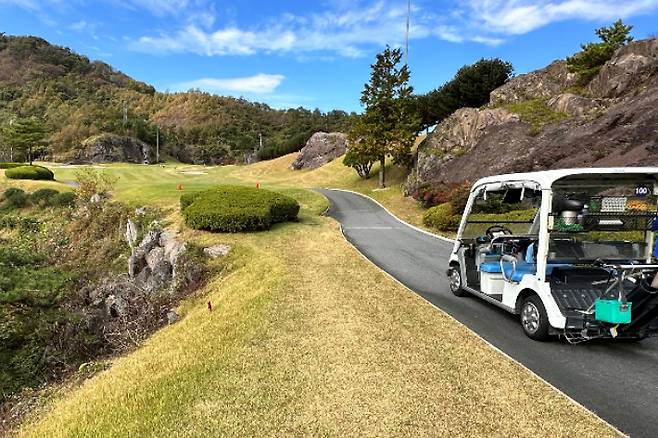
[572, 251]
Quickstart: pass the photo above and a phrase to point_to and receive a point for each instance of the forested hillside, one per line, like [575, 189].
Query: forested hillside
[77, 98]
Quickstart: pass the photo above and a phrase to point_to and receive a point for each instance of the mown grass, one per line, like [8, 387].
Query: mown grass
[305, 338]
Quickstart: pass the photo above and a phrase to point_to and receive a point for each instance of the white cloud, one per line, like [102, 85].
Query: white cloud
[259, 84]
[515, 17]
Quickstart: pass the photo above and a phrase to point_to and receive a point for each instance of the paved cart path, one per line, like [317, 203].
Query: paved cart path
[616, 380]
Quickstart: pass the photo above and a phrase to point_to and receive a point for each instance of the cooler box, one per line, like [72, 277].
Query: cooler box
[612, 311]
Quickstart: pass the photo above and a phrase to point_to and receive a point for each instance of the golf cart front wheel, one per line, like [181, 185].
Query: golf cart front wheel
[456, 285]
[534, 319]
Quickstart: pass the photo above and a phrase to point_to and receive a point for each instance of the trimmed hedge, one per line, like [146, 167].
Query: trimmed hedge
[232, 209]
[64, 199]
[15, 197]
[442, 217]
[30, 172]
[11, 165]
[43, 196]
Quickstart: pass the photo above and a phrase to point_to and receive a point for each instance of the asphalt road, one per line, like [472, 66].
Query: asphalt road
[616, 380]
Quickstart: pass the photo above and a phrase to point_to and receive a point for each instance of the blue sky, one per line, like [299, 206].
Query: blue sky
[313, 53]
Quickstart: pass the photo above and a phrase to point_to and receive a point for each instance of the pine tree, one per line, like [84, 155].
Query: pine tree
[25, 135]
[389, 124]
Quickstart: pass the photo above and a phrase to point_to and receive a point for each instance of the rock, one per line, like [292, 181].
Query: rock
[95, 198]
[116, 306]
[629, 67]
[136, 262]
[216, 251]
[151, 240]
[572, 104]
[160, 269]
[172, 317]
[131, 233]
[173, 248]
[320, 149]
[452, 138]
[141, 211]
[540, 84]
[109, 148]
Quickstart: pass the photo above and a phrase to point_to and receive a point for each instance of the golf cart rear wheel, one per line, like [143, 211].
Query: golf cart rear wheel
[534, 319]
[455, 279]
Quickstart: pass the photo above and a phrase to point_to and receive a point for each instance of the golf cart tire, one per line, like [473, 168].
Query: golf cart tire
[455, 280]
[541, 332]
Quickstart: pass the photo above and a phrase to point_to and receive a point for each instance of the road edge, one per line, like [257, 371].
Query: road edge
[540, 378]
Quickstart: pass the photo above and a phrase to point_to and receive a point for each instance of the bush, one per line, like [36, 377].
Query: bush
[30, 172]
[442, 217]
[43, 197]
[64, 199]
[235, 208]
[11, 165]
[16, 198]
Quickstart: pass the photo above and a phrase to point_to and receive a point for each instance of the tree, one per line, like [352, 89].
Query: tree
[470, 87]
[389, 124]
[359, 162]
[588, 62]
[25, 135]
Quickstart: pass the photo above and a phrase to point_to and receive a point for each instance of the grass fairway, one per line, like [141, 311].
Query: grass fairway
[305, 338]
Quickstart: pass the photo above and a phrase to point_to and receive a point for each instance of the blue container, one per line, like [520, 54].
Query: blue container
[612, 311]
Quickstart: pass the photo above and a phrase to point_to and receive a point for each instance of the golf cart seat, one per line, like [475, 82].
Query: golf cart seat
[515, 270]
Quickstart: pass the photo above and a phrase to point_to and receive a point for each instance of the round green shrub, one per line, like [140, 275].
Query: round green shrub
[64, 199]
[442, 217]
[15, 197]
[30, 172]
[232, 209]
[11, 165]
[43, 197]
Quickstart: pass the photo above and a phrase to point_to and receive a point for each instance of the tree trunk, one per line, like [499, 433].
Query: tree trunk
[29, 155]
[382, 171]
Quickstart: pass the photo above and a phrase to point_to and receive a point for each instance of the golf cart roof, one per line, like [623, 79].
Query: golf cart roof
[546, 178]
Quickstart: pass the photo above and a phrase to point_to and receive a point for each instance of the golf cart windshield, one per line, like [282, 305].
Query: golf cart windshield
[503, 211]
[607, 218]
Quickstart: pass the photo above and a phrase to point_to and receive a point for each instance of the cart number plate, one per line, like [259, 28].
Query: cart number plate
[642, 191]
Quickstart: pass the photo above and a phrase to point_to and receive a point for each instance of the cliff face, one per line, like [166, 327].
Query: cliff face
[542, 121]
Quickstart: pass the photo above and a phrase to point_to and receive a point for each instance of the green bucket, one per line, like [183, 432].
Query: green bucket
[612, 311]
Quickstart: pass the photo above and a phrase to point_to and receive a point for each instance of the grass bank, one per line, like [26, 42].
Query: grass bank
[305, 338]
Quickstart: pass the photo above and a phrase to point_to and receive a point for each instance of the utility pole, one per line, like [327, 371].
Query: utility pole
[406, 48]
[260, 141]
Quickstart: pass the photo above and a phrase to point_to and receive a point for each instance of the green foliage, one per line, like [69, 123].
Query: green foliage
[11, 165]
[389, 125]
[64, 199]
[43, 197]
[15, 198]
[537, 113]
[509, 215]
[470, 87]
[588, 62]
[231, 209]
[442, 217]
[25, 135]
[30, 172]
[77, 99]
[362, 163]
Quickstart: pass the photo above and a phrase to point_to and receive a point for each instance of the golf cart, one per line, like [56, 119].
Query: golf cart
[572, 251]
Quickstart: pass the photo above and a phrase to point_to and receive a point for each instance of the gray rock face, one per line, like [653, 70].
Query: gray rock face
[572, 104]
[216, 251]
[453, 138]
[108, 148]
[540, 84]
[172, 317]
[617, 127]
[320, 149]
[629, 67]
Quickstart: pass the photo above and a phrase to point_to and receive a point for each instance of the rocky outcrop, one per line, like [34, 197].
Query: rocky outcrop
[453, 138]
[631, 65]
[572, 104]
[320, 149]
[109, 148]
[614, 124]
[540, 84]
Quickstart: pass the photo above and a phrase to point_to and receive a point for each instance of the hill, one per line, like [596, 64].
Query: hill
[546, 120]
[78, 98]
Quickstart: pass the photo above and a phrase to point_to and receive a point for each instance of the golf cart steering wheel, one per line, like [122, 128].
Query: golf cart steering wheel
[497, 229]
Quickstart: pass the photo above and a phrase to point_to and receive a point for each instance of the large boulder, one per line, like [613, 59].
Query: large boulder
[320, 149]
[539, 84]
[453, 138]
[572, 104]
[629, 67]
[109, 148]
